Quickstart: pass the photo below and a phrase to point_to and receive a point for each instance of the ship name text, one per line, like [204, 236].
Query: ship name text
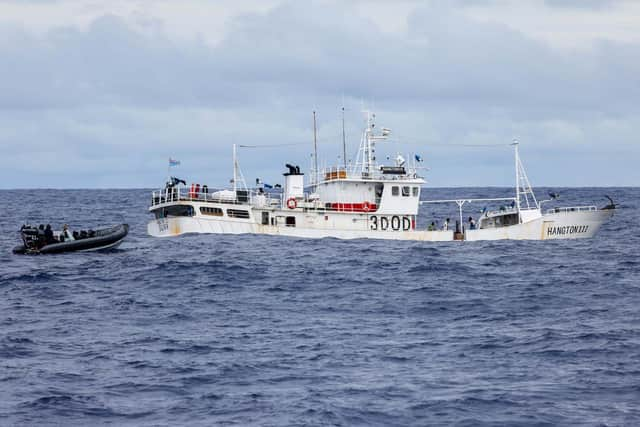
[567, 229]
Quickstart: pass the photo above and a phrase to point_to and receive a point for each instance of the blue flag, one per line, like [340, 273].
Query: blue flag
[173, 162]
[267, 185]
[418, 158]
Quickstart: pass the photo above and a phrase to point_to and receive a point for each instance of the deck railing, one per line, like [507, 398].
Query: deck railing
[572, 209]
[332, 173]
[184, 194]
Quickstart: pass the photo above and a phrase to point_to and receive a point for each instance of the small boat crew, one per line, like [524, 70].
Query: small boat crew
[66, 235]
[43, 240]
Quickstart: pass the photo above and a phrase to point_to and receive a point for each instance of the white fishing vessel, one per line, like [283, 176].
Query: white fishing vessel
[361, 200]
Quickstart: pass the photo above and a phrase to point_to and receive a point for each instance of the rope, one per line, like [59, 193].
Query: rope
[468, 145]
[425, 144]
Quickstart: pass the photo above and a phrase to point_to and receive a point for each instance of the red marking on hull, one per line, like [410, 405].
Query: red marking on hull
[353, 207]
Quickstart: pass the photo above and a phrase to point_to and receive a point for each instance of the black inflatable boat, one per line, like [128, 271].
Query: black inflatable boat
[36, 241]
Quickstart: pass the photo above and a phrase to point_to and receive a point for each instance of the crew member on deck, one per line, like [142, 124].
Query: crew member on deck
[445, 226]
[472, 224]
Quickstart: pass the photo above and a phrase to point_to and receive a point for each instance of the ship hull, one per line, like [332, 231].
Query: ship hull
[564, 225]
[551, 226]
[169, 227]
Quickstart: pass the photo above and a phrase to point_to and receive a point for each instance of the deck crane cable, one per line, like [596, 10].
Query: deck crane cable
[425, 144]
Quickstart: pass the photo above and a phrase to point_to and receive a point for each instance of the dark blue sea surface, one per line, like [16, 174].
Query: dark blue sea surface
[206, 330]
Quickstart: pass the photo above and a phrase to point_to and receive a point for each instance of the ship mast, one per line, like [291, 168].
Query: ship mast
[344, 143]
[517, 160]
[315, 150]
[369, 148]
[523, 186]
[235, 171]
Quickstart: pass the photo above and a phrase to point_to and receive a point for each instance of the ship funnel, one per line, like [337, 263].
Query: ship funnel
[293, 183]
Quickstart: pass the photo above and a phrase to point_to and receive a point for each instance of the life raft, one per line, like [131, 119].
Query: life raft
[292, 203]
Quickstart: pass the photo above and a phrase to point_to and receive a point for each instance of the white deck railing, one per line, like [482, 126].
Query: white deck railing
[572, 209]
[175, 194]
[184, 194]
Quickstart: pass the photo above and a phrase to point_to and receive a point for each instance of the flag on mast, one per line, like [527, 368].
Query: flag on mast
[173, 162]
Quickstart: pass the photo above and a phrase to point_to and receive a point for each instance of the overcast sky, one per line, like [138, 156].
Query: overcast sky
[101, 94]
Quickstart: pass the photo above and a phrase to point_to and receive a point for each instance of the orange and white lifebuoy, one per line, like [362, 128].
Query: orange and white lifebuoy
[366, 207]
[292, 203]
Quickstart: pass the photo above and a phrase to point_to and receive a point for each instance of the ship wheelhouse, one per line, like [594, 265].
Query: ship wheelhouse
[365, 186]
[400, 195]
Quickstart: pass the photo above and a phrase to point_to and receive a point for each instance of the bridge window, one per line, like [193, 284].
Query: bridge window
[395, 190]
[206, 210]
[416, 191]
[406, 191]
[290, 221]
[237, 213]
[176, 210]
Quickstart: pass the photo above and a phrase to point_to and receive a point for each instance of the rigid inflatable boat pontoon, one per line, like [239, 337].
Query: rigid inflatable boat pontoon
[34, 241]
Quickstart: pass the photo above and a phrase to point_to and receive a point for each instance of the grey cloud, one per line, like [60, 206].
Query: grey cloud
[120, 102]
[29, 1]
[583, 4]
[298, 51]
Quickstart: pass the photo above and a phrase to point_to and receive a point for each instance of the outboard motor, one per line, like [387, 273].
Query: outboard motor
[32, 239]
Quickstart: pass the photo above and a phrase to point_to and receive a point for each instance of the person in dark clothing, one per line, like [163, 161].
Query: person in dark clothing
[472, 224]
[48, 234]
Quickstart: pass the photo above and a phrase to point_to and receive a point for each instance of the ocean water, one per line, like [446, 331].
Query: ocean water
[207, 330]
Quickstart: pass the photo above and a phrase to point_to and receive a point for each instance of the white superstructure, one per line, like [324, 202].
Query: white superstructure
[367, 200]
